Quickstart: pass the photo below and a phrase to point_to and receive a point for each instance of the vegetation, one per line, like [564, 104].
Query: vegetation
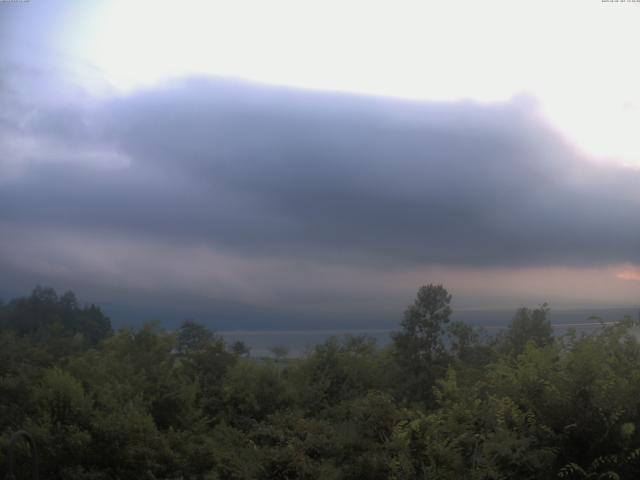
[442, 401]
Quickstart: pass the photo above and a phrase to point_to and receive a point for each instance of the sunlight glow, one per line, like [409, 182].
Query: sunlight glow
[629, 274]
[574, 57]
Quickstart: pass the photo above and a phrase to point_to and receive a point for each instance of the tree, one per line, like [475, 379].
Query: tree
[528, 326]
[462, 338]
[240, 349]
[45, 316]
[193, 337]
[419, 347]
[471, 347]
[339, 369]
[280, 352]
[206, 361]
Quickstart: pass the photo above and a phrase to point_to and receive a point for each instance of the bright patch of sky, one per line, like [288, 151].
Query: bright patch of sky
[575, 58]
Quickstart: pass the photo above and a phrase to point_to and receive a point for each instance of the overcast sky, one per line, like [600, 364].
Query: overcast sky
[316, 160]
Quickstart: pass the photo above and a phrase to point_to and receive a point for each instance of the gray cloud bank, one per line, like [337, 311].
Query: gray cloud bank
[271, 196]
[266, 171]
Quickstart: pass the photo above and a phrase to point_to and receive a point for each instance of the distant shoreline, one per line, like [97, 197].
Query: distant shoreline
[347, 331]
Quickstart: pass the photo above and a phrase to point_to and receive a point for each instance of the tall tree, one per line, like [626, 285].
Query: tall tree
[528, 325]
[419, 348]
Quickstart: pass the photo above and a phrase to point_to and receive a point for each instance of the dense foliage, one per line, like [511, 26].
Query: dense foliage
[442, 401]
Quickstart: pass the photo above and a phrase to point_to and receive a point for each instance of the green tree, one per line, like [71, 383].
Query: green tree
[528, 326]
[240, 349]
[279, 352]
[337, 370]
[419, 347]
[206, 361]
[253, 391]
[47, 317]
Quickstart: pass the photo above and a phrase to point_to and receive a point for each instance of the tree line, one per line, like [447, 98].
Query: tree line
[443, 400]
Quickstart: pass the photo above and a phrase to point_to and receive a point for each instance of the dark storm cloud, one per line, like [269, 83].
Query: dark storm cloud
[280, 172]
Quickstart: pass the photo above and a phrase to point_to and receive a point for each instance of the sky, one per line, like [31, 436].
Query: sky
[245, 162]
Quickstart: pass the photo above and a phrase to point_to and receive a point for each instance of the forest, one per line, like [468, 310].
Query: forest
[443, 400]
